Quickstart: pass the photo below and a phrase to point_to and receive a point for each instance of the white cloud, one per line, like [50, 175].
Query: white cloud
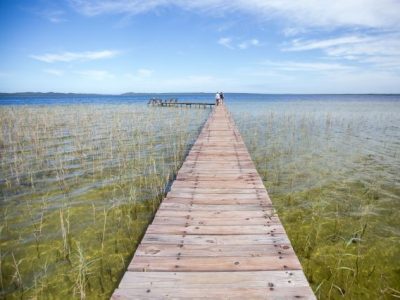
[307, 13]
[74, 56]
[54, 72]
[95, 74]
[226, 42]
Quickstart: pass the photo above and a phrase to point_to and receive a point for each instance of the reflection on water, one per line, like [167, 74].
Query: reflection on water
[332, 170]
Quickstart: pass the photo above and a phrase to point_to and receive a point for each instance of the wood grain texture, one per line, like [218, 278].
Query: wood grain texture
[216, 234]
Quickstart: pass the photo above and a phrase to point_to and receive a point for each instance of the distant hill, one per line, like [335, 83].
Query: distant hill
[49, 94]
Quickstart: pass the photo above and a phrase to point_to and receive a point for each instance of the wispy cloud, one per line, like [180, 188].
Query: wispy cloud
[307, 13]
[75, 56]
[226, 42]
[54, 16]
[97, 7]
[301, 45]
[95, 74]
[380, 50]
[52, 12]
[305, 66]
[54, 72]
[229, 43]
[249, 43]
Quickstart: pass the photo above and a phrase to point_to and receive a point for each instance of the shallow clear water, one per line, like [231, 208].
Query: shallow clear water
[79, 184]
[81, 177]
[332, 170]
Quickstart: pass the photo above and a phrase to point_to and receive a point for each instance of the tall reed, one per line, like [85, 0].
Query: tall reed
[331, 170]
[79, 184]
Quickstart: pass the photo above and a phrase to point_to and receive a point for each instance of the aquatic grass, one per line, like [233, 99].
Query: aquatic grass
[79, 184]
[331, 169]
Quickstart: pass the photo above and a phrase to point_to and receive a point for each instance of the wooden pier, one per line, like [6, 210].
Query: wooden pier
[183, 104]
[216, 234]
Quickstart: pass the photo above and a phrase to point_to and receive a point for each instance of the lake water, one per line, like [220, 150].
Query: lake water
[81, 177]
[195, 97]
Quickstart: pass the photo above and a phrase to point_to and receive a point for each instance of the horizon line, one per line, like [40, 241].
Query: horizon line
[163, 93]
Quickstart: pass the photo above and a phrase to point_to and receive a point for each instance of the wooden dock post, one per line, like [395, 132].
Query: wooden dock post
[216, 234]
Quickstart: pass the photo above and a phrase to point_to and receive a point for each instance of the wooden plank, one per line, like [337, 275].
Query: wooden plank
[254, 279]
[217, 201]
[217, 164]
[221, 190]
[175, 239]
[212, 285]
[267, 213]
[217, 264]
[205, 292]
[217, 184]
[223, 197]
[210, 176]
[218, 151]
[213, 207]
[219, 147]
[219, 160]
[214, 221]
[193, 172]
[214, 250]
[219, 230]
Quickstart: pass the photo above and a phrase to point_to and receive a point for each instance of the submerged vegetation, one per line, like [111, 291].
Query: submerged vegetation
[79, 184]
[332, 171]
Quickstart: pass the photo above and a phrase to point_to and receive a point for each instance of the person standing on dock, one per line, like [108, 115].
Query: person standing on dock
[217, 98]
[221, 96]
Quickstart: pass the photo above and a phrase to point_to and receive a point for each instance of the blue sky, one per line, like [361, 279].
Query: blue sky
[266, 46]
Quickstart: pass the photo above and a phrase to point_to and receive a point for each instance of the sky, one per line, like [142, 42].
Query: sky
[255, 46]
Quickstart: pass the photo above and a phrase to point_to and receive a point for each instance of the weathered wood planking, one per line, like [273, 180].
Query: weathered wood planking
[216, 234]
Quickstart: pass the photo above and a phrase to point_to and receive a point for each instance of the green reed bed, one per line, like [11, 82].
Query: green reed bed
[333, 176]
[79, 184]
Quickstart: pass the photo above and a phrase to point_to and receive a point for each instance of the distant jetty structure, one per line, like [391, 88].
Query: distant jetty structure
[175, 103]
[216, 234]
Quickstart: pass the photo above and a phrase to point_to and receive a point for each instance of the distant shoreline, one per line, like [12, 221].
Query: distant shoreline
[56, 94]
